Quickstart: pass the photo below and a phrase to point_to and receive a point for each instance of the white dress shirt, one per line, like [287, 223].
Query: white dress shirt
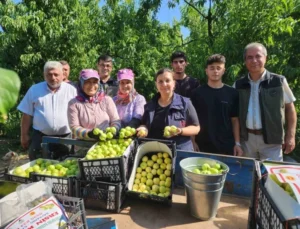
[254, 115]
[48, 108]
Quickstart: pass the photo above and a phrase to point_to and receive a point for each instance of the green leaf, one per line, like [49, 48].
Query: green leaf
[9, 91]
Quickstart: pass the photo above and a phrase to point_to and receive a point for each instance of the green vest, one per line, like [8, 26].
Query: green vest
[272, 107]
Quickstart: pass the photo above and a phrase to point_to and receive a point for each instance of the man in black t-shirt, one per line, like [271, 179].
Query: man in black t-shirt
[217, 107]
[184, 84]
[105, 66]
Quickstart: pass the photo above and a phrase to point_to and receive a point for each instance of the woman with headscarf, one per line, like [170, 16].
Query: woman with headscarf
[91, 108]
[130, 104]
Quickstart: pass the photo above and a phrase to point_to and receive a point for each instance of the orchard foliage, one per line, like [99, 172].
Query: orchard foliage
[80, 30]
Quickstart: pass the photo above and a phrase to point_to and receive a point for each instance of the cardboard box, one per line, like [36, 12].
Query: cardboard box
[290, 174]
[287, 205]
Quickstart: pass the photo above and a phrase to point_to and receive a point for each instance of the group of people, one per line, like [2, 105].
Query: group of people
[247, 119]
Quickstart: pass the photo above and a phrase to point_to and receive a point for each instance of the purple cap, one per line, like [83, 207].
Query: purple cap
[125, 74]
[86, 74]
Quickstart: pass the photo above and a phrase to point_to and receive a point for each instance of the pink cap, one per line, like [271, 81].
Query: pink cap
[125, 74]
[86, 74]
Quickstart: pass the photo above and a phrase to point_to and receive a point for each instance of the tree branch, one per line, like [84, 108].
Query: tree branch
[195, 8]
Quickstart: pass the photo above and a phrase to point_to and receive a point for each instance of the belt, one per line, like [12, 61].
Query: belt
[255, 132]
[58, 136]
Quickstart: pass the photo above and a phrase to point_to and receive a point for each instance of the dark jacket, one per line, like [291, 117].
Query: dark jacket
[177, 115]
[272, 106]
[111, 87]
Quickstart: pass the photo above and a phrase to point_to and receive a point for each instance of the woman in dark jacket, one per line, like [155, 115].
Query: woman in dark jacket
[169, 109]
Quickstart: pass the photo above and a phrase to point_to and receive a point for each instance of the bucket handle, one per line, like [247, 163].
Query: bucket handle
[233, 174]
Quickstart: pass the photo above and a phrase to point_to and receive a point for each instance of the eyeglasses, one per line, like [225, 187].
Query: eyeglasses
[178, 61]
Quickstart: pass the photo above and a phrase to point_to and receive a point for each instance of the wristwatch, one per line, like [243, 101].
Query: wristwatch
[238, 144]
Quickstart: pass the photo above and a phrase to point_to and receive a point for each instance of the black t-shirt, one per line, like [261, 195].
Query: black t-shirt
[110, 87]
[215, 108]
[159, 122]
[186, 86]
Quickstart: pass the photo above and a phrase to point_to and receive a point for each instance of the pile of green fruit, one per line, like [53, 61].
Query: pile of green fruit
[206, 169]
[285, 186]
[107, 149]
[109, 133]
[127, 132]
[153, 175]
[50, 168]
[170, 131]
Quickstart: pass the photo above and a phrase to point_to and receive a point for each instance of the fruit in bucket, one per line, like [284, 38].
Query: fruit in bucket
[206, 169]
[155, 176]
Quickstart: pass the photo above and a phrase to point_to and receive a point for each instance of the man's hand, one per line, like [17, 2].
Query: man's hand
[237, 151]
[289, 144]
[25, 139]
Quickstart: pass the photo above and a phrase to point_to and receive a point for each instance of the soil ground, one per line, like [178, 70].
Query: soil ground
[232, 213]
[7, 145]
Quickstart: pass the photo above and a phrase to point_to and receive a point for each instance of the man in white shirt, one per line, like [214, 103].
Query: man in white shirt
[266, 102]
[45, 108]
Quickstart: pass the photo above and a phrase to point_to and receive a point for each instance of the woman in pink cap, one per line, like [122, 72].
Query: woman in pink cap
[130, 104]
[91, 108]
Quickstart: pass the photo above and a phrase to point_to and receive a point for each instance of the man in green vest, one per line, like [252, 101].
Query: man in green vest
[266, 110]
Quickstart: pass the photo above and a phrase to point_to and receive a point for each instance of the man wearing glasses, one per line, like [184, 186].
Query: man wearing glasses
[105, 65]
[184, 83]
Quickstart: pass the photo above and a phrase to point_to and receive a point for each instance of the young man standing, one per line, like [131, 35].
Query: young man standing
[217, 107]
[184, 83]
[105, 66]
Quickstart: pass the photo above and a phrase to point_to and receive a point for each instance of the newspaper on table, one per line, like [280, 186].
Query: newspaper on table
[46, 215]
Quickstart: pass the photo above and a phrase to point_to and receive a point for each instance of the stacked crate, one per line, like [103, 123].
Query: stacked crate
[103, 182]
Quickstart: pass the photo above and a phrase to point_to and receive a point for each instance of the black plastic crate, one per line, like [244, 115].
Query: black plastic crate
[61, 185]
[3, 171]
[15, 178]
[114, 170]
[266, 215]
[75, 210]
[155, 198]
[101, 195]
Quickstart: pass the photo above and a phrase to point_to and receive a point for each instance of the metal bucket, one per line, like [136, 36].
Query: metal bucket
[203, 191]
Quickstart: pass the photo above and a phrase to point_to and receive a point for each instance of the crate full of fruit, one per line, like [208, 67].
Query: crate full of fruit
[152, 173]
[283, 185]
[22, 174]
[108, 161]
[61, 174]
